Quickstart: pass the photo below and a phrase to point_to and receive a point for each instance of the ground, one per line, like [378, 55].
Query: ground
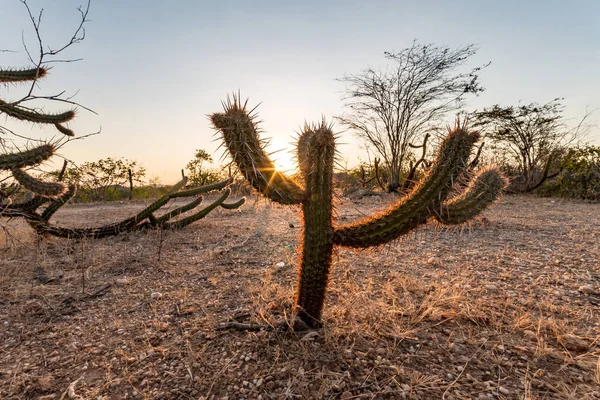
[506, 307]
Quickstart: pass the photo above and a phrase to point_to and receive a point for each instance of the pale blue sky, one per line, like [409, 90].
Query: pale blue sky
[153, 70]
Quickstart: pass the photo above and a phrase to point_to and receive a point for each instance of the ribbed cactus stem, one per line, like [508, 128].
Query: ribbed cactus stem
[21, 75]
[178, 186]
[38, 186]
[24, 114]
[419, 205]
[64, 130]
[315, 157]
[235, 205]
[247, 150]
[483, 191]
[201, 189]
[26, 158]
[200, 214]
[59, 202]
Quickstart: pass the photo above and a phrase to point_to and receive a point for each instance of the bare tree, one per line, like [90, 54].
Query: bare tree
[392, 108]
[531, 135]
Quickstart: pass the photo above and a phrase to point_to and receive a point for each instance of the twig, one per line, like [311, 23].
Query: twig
[70, 392]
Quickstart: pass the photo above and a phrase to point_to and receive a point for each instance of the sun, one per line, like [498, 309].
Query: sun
[284, 163]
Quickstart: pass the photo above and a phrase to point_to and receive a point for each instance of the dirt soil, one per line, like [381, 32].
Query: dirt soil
[505, 308]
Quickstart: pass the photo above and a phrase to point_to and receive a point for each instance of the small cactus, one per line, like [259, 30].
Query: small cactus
[316, 153]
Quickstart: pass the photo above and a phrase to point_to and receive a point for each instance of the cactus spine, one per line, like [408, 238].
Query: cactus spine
[316, 150]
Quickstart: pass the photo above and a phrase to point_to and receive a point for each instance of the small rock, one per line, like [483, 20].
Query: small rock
[346, 395]
[503, 390]
[529, 334]
[309, 336]
[491, 287]
[123, 282]
[574, 343]
[46, 383]
[457, 348]
[156, 295]
[587, 289]
[432, 261]
[280, 264]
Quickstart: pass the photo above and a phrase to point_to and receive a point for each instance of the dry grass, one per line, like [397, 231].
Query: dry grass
[504, 308]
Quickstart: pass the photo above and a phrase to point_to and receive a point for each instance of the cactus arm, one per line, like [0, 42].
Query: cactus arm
[59, 202]
[179, 185]
[234, 205]
[316, 150]
[199, 215]
[241, 137]
[178, 211]
[202, 189]
[24, 114]
[482, 191]
[128, 224]
[38, 186]
[21, 75]
[26, 158]
[64, 130]
[417, 206]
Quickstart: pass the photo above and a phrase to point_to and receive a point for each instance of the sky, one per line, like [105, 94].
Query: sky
[154, 70]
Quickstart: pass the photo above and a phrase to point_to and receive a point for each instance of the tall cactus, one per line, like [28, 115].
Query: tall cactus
[316, 153]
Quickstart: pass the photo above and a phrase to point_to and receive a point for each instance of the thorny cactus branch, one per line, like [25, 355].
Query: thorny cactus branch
[316, 152]
[241, 135]
[38, 186]
[25, 114]
[41, 224]
[417, 206]
[26, 158]
[21, 75]
[483, 190]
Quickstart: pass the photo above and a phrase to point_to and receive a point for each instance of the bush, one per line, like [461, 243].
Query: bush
[580, 176]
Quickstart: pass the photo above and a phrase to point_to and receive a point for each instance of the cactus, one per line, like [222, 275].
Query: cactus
[16, 161]
[21, 75]
[26, 158]
[316, 153]
[57, 194]
[38, 186]
[142, 220]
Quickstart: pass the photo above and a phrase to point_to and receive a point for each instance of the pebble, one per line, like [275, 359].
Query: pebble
[123, 282]
[155, 295]
[574, 343]
[503, 390]
[530, 334]
[346, 395]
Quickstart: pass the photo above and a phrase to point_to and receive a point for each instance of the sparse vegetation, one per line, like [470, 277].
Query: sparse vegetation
[391, 109]
[428, 292]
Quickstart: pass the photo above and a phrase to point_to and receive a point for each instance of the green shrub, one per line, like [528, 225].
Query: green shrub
[580, 176]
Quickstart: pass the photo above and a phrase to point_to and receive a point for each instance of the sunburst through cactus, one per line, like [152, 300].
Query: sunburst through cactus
[313, 190]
